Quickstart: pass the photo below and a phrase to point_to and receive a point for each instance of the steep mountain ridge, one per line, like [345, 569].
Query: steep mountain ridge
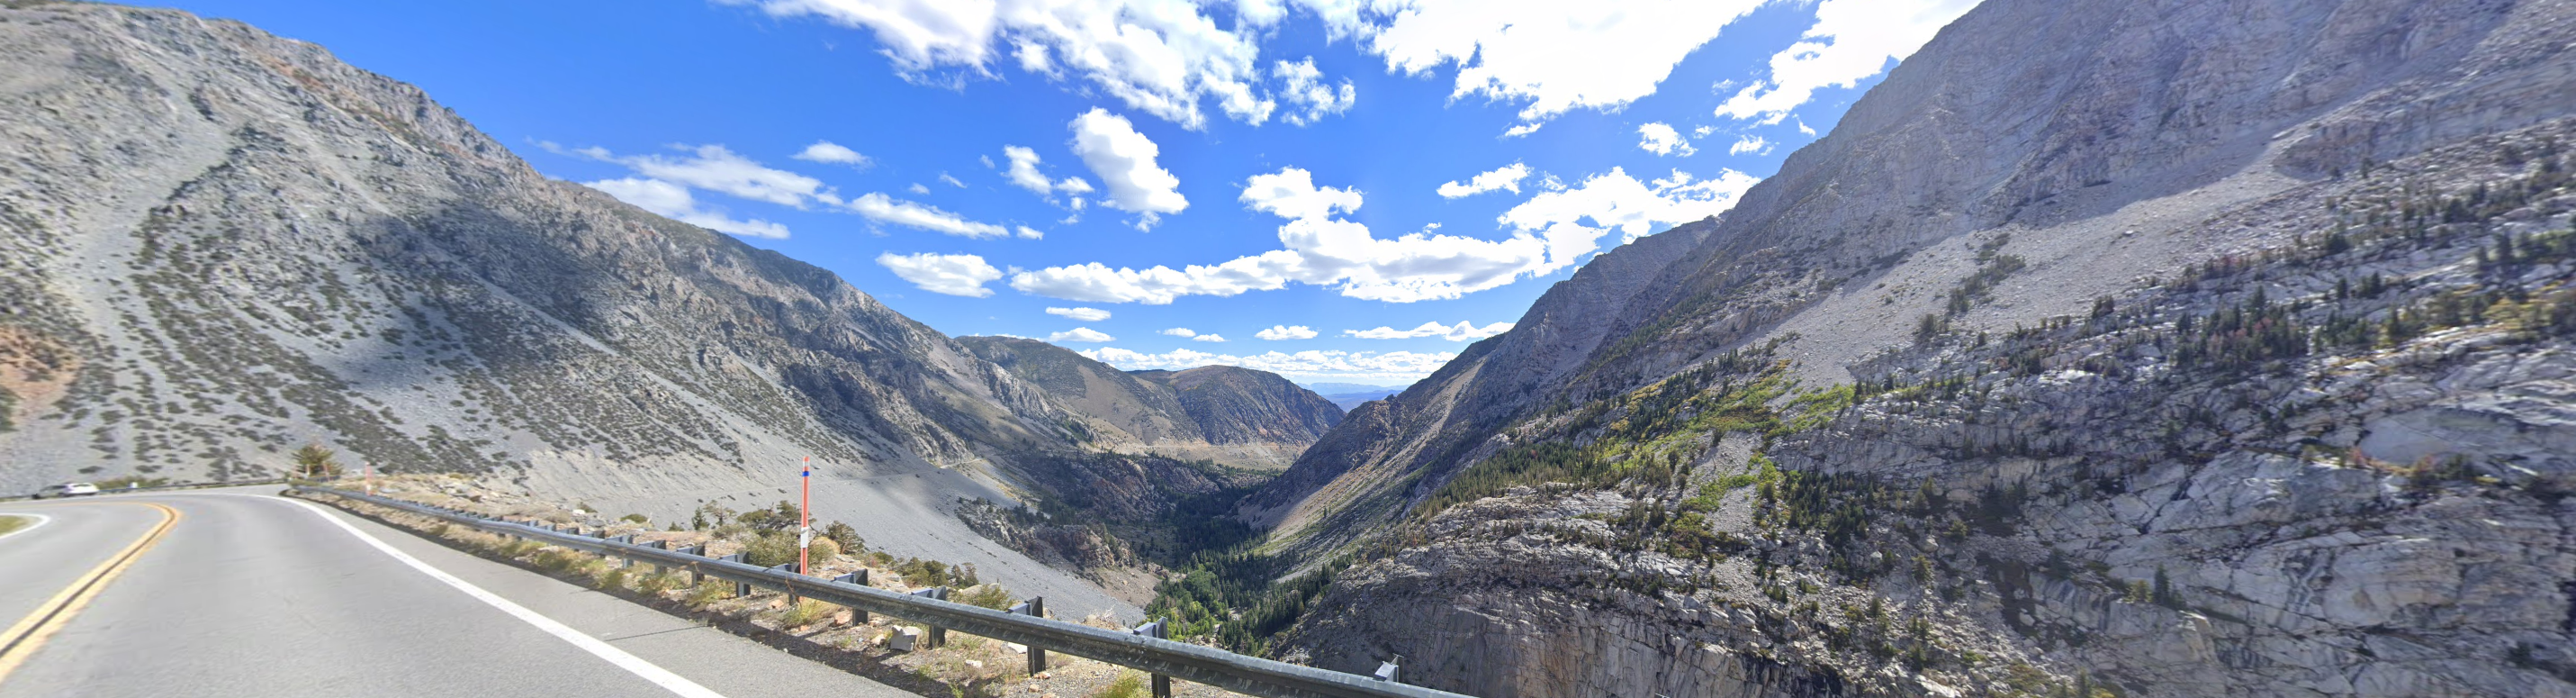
[2174, 357]
[1235, 416]
[221, 245]
[2128, 123]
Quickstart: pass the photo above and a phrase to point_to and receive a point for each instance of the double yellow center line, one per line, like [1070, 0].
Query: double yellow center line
[23, 638]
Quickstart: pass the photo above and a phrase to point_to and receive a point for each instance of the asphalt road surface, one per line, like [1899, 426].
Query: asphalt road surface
[248, 594]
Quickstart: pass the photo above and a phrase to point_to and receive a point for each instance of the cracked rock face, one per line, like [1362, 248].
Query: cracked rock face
[2096, 277]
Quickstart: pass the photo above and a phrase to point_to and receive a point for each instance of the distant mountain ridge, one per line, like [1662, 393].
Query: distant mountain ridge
[1231, 415]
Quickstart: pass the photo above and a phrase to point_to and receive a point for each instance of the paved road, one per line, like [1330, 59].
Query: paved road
[254, 595]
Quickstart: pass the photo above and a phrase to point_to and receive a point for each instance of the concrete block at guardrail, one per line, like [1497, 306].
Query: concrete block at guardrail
[903, 639]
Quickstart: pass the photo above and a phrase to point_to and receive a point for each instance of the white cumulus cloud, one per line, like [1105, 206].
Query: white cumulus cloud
[674, 202]
[952, 274]
[1660, 138]
[1161, 57]
[1124, 160]
[1522, 130]
[1550, 231]
[1024, 174]
[1308, 99]
[1394, 366]
[1081, 334]
[1179, 332]
[1851, 40]
[1555, 55]
[1285, 332]
[1507, 178]
[835, 153]
[1748, 144]
[1617, 201]
[1080, 314]
[1460, 332]
[1211, 337]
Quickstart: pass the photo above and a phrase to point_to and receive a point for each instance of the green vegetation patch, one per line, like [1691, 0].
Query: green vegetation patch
[1652, 432]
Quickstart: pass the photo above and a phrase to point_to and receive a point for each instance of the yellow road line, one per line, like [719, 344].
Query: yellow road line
[29, 633]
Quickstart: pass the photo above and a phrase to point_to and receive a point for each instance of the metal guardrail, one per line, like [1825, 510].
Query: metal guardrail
[1214, 667]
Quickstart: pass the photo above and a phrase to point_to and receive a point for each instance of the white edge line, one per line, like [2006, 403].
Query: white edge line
[631, 663]
[41, 520]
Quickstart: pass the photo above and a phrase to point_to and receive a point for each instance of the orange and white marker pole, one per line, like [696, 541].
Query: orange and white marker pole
[805, 516]
[370, 467]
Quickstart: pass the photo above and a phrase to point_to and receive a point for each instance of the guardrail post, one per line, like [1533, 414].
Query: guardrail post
[740, 589]
[793, 598]
[1156, 630]
[700, 551]
[938, 636]
[1034, 607]
[858, 616]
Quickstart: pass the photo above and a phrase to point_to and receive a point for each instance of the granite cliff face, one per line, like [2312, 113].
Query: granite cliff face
[1235, 416]
[2153, 348]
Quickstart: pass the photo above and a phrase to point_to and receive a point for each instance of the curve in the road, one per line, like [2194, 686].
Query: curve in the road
[29, 633]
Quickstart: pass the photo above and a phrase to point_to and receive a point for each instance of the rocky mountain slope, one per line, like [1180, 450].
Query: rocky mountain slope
[2154, 348]
[221, 245]
[1235, 416]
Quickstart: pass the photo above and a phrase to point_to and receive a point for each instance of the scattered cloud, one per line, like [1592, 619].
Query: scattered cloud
[1556, 56]
[887, 209]
[1749, 144]
[1025, 175]
[952, 274]
[1703, 131]
[1802, 126]
[1460, 332]
[1660, 138]
[916, 188]
[1285, 332]
[1081, 334]
[1307, 97]
[717, 169]
[674, 202]
[1851, 40]
[1618, 201]
[1549, 232]
[667, 182]
[1185, 332]
[1080, 314]
[1124, 160]
[834, 153]
[1521, 130]
[1161, 58]
[951, 180]
[1028, 233]
[1394, 366]
[1507, 178]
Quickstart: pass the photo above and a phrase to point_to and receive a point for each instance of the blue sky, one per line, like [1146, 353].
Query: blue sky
[1340, 190]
